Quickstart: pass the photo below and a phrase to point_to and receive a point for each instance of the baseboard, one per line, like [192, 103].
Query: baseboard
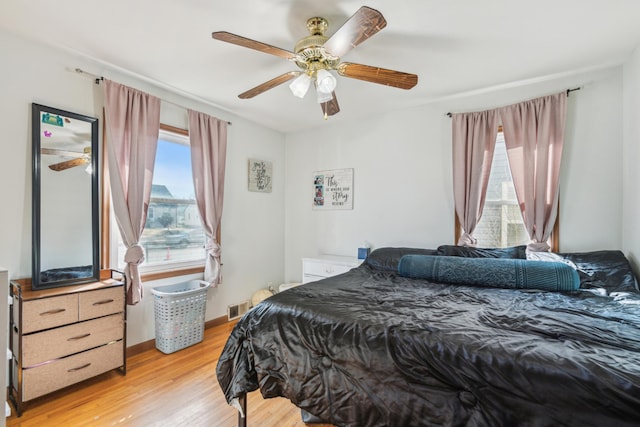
[148, 345]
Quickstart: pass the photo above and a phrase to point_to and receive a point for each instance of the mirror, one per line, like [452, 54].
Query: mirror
[65, 198]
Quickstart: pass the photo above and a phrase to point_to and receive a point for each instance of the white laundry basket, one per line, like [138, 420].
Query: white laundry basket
[179, 311]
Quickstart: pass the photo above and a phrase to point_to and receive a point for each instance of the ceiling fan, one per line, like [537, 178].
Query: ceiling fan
[79, 158]
[316, 55]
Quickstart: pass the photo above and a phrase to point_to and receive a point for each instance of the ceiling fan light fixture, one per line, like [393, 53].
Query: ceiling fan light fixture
[300, 85]
[325, 81]
[324, 96]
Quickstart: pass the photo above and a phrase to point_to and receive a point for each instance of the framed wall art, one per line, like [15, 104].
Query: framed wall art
[260, 175]
[333, 189]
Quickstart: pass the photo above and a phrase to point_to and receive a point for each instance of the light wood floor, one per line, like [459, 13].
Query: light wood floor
[179, 389]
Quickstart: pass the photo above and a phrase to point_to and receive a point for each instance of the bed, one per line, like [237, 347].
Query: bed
[372, 347]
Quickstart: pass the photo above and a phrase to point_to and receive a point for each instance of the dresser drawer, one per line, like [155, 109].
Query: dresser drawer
[56, 343]
[63, 372]
[307, 278]
[324, 269]
[101, 302]
[47, 313]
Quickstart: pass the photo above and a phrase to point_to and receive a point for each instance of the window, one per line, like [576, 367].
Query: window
[501, 224]
[173, 238]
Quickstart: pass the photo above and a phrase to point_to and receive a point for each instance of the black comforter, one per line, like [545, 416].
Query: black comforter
[371, 348]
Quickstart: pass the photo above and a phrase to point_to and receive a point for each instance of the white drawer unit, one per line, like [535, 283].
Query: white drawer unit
[325, 266]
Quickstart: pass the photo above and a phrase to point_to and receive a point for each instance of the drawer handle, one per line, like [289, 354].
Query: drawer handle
[104, 301]
[54, 311]
[79, 337]
[86, 365]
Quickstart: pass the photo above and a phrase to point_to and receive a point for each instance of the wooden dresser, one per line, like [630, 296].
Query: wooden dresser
[65, 335]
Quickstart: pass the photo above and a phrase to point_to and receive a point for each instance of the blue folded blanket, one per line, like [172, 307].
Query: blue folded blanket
[491, 272]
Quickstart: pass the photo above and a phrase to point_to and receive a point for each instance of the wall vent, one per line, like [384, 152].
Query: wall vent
[237, 310]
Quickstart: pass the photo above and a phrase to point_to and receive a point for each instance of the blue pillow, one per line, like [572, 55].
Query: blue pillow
[491, 272]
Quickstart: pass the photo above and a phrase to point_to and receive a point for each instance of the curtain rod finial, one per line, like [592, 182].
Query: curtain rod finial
[573, 90]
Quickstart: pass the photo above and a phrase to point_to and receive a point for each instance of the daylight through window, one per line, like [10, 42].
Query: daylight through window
[173, 236]
[501, 224]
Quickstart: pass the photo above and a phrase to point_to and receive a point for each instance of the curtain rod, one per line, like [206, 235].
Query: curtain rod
[568, 92]
[98, 79]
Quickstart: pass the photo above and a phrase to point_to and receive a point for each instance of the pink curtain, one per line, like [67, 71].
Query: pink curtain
[208, 137]
[534, 135]
[133, 123]
[474, 139]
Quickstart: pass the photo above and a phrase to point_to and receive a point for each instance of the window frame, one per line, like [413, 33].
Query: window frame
[107, 216]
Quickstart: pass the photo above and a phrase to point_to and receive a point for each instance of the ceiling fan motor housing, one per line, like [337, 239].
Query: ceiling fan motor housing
[310, 53]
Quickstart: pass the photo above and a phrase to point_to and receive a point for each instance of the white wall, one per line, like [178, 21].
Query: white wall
[401, 186]
[403, 179]
[252, 223]
[631, 156]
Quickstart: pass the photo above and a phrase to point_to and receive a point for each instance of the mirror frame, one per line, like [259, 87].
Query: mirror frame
[36, 134]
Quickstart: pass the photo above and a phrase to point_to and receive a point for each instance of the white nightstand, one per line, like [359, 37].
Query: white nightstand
[324, 266]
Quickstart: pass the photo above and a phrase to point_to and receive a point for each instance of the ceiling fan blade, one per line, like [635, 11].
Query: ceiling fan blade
[283, 78]
[69, 164]
[363, 24]
[252, 44]
[378, 75]
[56, 152]
[330, 108]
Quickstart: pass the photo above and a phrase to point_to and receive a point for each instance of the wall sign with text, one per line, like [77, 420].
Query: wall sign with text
[333, 189]
[260, 173]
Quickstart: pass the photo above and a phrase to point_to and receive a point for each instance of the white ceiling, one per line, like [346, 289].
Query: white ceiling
[454, 46]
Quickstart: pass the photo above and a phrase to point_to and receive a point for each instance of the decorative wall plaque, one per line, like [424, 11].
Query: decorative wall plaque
[333, 189]
[260, 173]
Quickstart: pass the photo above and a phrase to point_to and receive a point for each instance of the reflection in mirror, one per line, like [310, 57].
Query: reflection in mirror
[65, 198]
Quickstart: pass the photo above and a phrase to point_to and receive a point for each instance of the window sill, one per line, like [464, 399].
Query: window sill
[157, 275]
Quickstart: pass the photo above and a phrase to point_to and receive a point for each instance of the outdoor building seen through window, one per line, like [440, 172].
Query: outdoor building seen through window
[173, 236]
[501, 224]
